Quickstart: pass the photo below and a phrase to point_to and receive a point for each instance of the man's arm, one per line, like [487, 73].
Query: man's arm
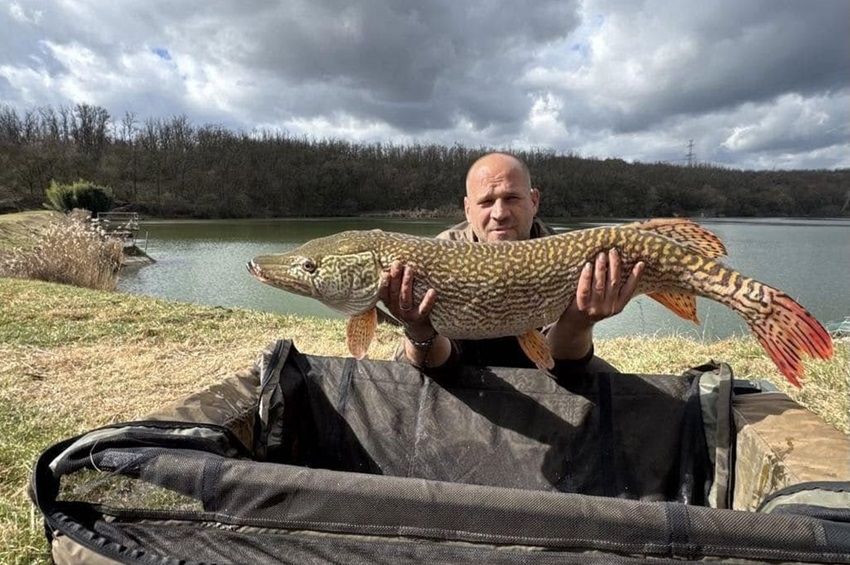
[423, 347]
[601, 293]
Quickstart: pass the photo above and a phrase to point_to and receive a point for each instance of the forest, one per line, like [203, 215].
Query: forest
[169, 167]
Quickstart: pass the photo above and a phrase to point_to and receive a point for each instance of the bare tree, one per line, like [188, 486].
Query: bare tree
[10, 126]
[50, 125]
[89, 129]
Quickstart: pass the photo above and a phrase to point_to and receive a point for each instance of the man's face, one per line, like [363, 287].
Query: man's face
[499, 203]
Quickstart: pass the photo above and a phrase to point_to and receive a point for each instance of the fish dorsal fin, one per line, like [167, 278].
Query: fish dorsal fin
[683, 305]
[686, 233]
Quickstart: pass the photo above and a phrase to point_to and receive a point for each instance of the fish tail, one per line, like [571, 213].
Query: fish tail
[785, 329]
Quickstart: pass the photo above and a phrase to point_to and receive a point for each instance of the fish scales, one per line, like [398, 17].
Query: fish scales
[482, 289]
[517, 278]
[510, 288]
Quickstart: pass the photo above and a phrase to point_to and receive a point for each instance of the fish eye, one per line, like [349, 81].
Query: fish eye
[308, 265]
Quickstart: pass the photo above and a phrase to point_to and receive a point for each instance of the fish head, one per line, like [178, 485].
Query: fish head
[335, 270]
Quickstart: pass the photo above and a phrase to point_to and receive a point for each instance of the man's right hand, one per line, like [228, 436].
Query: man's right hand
[396, 292]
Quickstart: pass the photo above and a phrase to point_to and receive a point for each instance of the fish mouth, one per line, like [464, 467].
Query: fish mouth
[255, 270]
[274, 277]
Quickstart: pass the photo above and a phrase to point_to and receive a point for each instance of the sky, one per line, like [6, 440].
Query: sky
[756, 84]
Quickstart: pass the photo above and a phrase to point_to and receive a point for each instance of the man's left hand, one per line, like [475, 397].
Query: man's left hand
[601, 291]
[600, 294]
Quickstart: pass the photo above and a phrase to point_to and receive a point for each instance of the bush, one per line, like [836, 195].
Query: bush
[67, 251]
[81, 194]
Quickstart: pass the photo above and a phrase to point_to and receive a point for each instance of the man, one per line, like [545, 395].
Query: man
[501, 205]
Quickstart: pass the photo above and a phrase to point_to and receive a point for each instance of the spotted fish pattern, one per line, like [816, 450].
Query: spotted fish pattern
[510, 288]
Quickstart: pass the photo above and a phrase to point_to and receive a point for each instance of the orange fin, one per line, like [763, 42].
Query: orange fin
[683, 305]
[686, 233]
[536, 347]
[788, 333]
[360, 331]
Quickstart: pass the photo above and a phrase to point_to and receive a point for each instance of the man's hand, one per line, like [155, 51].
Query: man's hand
[601, 291]
[600, 294]
[396, 293]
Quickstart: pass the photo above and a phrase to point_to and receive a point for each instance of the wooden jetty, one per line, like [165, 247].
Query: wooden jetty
[125, 227]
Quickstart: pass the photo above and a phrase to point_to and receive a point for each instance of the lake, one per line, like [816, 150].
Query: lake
[204, 262]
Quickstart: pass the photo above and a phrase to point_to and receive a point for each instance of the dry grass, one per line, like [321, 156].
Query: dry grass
[73, 359]
[63, 249]
[16, 230]
[826, 384]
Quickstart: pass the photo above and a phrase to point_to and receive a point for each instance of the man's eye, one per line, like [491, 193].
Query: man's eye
[308, 266]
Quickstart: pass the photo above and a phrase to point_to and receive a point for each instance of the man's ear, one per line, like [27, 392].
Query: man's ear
[466, 207]
[535, 198]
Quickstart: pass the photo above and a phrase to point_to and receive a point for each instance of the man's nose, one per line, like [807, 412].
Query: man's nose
[499, 210]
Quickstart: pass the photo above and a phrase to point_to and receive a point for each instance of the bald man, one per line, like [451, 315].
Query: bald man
[501, 205]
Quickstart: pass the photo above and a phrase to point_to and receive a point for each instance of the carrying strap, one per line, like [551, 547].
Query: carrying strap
[73, 519]
[716, 391]
[828, 500]
[269, 421]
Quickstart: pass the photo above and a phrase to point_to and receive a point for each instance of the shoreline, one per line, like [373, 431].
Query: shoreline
[448, 213]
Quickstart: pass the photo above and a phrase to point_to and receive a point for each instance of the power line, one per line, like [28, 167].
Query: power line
[690, 155]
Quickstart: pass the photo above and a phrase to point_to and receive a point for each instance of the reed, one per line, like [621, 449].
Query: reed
[66, 250]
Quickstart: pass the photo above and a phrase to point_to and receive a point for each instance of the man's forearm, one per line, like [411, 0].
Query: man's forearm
[571, 343]
[433, 356]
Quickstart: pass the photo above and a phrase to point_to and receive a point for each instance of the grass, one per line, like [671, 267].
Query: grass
[72, 359]
[16, 230]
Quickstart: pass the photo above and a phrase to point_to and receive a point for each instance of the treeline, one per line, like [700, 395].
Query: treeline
[170, 167]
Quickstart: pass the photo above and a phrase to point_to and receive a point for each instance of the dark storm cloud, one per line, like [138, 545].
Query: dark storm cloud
[755, 83]
[414, 65]
[804, 51]
[653, 62]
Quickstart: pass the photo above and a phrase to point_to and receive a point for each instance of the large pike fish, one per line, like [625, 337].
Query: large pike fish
[487, 290]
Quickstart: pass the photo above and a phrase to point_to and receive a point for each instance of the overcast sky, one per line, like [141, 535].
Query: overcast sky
[757, 84]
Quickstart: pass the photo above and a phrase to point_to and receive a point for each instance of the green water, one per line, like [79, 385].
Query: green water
[204, 262]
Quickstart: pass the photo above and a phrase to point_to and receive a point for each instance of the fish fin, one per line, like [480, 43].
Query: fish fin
[683, 305]
[686, 233]
[360, 331]
[788, 332]
[536, 347]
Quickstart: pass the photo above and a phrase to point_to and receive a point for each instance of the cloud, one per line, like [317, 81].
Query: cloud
[762, 83]
[659, 59]
[791, 122]
[20, 14]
